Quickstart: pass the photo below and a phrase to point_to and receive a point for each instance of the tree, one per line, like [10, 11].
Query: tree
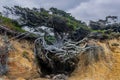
[113, 19]
[0, 13]
[61, 22]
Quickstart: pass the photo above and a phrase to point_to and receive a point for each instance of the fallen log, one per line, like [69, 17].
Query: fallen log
[18, 35]
[5, 29]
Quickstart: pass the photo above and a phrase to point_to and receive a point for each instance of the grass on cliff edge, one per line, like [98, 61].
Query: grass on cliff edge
[11, 24]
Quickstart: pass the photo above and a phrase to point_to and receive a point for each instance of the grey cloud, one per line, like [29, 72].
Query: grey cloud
[24, 3]
[81, 9]
[61, 4]
[96, 9]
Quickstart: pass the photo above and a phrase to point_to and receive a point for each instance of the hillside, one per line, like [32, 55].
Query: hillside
[22, 61]
[11, 24]
[56, 46]
[103, 70]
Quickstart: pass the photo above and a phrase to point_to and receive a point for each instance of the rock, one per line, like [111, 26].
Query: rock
[4, 78]
[60, 77]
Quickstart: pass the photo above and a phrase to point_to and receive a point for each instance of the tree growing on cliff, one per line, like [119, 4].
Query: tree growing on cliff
[62, 23]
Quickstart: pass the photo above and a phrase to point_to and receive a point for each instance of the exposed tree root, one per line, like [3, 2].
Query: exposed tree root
[64, 59]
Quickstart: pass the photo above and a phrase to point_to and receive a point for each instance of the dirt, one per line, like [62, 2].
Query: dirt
[23, 67]
[103, 70]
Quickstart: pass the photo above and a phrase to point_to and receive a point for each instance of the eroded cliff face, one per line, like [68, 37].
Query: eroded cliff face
[22, 64]
[21, 60]
[108, 69]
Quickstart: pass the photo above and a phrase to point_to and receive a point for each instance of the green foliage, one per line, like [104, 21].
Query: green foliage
[40, 17]
[112, 28]
[109, 26]
[13, 25]
[72, 24]
[101, 31]
[50, 39]
[61, 13]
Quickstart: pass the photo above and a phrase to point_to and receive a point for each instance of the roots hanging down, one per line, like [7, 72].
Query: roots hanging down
[64, 59]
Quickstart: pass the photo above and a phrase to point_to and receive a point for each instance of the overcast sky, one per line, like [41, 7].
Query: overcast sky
[84, 10]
